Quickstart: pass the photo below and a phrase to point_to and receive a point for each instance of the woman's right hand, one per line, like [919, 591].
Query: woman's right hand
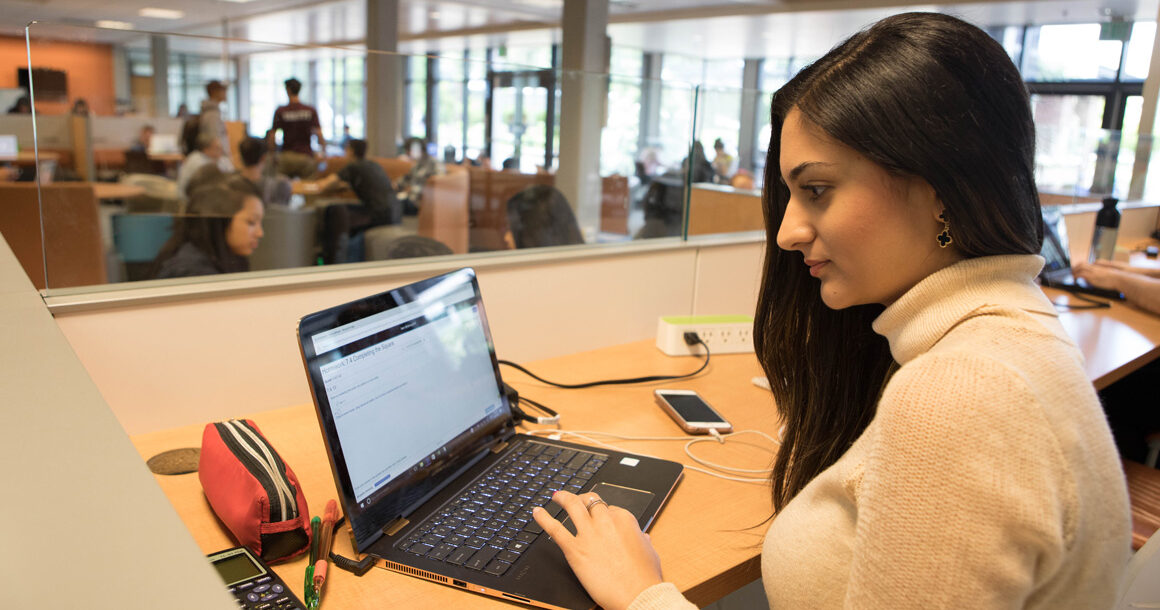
[613, 559]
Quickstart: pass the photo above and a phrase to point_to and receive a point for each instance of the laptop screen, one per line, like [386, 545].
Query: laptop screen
[407, 390]
[1054, 248]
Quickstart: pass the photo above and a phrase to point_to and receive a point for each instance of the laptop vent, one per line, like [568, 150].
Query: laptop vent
[398, 567]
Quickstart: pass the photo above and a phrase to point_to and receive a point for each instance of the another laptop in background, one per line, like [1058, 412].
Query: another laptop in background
[9, 147]
[1057, 270]
[434, 479]
[163, 144]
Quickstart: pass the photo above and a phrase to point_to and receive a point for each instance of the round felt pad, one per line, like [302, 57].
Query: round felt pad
[175, 461]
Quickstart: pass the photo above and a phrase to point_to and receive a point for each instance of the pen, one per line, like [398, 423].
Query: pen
[330, 517]
[308, 594]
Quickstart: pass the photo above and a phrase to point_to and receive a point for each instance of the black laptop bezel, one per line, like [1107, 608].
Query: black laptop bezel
[367, 519]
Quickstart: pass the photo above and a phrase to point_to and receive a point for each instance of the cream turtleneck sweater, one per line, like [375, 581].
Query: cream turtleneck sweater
[987, 478]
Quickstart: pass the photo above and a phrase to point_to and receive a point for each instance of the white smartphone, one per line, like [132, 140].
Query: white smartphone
[691, 412]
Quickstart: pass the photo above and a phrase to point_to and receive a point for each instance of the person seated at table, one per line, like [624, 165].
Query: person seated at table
[141, 143]
[207, 150]
[416, 246]
[942, 446]
[411, 185]
[220, 229]
[1140, 285]
[275, 188]
[539, 216]
[377, 202]
[722, 162]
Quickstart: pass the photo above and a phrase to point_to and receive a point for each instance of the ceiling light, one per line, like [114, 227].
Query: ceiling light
[114, 25]
[434, 14]
[238, 1]
[161, 13]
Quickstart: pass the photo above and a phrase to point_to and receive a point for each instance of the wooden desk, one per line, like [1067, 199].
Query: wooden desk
[117, 190]
[28, 157]
[708, 536]
[1114, 341]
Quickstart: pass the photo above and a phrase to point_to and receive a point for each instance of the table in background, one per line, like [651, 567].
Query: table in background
[709, 535]
[116, 190]
[1115, 341]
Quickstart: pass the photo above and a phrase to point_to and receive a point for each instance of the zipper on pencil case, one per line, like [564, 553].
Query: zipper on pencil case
[252, 453]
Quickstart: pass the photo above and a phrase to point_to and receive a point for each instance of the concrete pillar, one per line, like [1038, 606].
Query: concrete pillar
[750, 105]
[159, 58]
[122, 92]
[584, 89]
[650, 101]
[1147, 123]
[385, 89]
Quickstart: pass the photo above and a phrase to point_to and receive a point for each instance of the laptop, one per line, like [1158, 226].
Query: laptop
[163, 144]
[1057, 268]
[435, 481]
[9, 147]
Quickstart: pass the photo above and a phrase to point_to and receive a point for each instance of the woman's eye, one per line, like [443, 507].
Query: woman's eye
[815, 190]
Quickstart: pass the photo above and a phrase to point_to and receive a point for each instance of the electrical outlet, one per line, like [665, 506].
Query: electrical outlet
[723, 334]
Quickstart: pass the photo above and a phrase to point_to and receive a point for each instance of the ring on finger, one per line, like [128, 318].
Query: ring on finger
[593, 502]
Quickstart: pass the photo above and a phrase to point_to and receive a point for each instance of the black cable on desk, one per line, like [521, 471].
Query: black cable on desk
[691, 338]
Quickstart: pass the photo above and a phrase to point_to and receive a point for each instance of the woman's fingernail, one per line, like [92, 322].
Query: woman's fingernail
[538, 509]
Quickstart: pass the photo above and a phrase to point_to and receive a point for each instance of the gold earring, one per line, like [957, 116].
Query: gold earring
[944, 238]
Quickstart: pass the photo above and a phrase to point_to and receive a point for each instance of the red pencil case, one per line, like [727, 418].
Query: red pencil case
[253, 491]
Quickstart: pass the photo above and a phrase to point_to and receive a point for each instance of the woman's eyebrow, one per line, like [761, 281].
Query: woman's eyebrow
[801, 167]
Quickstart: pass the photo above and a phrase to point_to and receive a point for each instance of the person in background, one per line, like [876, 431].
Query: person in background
[81, 107]
[221, 228]
[22, 105]
[210, 121]
[377, 202]
[141, 143]
[539, 216]
[346, 137]
[1140, 285]
[702, 170]
[942, 445]
[482, 161]
[183, 112]
[207, 150]
[274, 189]
[298, 122]
[510, 165]
[411, 185]
[722, 162]
[416, 246]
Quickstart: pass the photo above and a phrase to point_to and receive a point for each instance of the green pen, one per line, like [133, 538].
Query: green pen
[315, 530]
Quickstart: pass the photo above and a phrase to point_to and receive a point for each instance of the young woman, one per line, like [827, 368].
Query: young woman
[221, 228]
[943, 447]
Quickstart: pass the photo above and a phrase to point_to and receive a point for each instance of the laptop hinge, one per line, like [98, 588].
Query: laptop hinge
[393, 527]
[500, 446]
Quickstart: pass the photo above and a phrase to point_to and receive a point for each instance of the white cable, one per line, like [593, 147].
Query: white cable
[586, 435]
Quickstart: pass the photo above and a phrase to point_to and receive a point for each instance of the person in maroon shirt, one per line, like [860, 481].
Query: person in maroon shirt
[298, 122]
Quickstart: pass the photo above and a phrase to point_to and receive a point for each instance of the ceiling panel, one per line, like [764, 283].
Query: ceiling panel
[707, 28]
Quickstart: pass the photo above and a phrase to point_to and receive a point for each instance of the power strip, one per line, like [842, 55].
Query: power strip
[723, 334]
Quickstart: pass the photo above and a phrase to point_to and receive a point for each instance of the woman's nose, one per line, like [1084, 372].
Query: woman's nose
[794, 231]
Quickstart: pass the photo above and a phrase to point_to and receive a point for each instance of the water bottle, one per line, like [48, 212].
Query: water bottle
[1104, 237]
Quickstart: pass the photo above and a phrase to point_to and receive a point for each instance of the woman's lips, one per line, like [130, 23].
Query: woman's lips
[816, 267]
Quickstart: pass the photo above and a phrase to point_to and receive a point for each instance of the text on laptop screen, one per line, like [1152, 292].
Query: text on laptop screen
[403, 384]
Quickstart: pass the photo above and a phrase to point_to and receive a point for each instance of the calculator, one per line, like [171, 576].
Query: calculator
[253, 583]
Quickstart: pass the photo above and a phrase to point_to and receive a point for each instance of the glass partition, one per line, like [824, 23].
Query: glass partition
[177, 156]
[388, 156]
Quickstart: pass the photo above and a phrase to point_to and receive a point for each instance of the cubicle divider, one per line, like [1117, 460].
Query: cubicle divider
[172, 355]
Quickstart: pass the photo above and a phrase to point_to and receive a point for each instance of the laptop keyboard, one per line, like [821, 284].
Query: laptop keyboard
[489, 525]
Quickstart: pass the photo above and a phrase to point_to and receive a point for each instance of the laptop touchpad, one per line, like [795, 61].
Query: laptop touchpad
[634, 501]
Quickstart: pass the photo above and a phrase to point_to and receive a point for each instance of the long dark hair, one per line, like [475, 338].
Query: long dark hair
[206, 220]
[540, 216]
[920, 94]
